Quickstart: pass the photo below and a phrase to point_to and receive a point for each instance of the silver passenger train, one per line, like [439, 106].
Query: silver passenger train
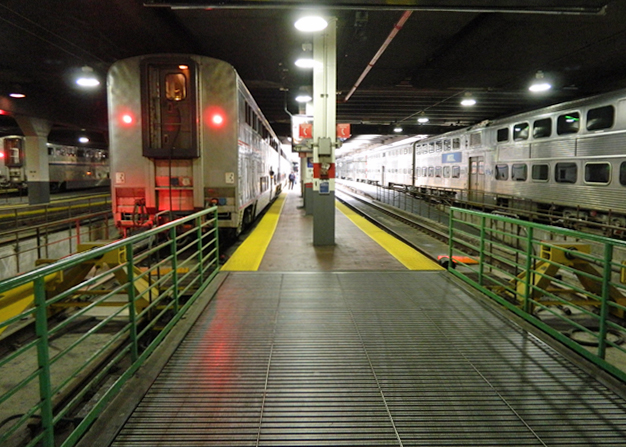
[70, 167]
[186, 134]
[568, 159]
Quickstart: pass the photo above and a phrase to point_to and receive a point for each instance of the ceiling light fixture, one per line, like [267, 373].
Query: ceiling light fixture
[306, 58]
[422, 119]
[539, 84]
[87, 78]
[303, 97]
[468, 101]
[311, 24]
[17, 95]
[397, 128]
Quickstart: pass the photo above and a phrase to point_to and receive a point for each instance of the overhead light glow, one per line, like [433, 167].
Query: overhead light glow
[305, 62]
[468, 102]
[86, 78]
[83, 140]
[310, 24]
[540, 87]
[539, 84]
[422, 120]
[183, 67]
[303, 98]
[17, 95]
[127, 118]
[397, 129]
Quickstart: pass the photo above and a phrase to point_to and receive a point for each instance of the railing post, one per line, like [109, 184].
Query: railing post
[43, 360]
[528, 267]
[199, 248]
[174, 268]
[132, 311]
[604, 307]
[481, 252]
[450, 238]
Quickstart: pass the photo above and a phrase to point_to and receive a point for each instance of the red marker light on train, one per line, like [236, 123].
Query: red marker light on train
[127, 119]
[214, 117]
[217, 119]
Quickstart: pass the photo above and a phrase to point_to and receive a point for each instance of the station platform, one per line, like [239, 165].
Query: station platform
[362, 344]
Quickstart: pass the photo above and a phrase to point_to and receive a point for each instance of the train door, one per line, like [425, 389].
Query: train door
[476, 177]
[169, 122]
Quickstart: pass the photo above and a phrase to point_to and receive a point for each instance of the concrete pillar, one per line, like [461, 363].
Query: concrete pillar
[324, 134]
[36, 132]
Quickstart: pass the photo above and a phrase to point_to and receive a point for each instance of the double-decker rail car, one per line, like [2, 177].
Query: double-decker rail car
[186, 134]
[568, 159]
[70, 167]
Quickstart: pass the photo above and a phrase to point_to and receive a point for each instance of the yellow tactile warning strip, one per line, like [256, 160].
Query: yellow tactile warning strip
[409, 257]
[249, 255]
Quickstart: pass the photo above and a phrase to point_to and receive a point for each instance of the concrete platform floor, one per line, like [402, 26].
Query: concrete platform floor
[291, 249]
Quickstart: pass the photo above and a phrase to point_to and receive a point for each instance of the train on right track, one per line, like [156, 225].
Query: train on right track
[566, 160]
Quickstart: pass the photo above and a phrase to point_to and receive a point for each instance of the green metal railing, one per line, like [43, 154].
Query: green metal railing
[569, 284]
[133, 292]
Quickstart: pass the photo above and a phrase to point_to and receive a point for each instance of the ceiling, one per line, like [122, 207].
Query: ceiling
[445, 50]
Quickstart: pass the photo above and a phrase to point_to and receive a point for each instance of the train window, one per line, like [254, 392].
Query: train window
[540, 173]
[600, 118]
[431, 171]
[622, 173]
[542, 128]
[519, 172]
[431, 147]
[456, 172]
[503, 134]
[424, 171]
[456, 143]
[502, 172]
[476, 139]
[446, 171]
[446, 145]
[598, 173]
[568, 123]
[438, 147]
[438, 171]
[418, 172]
[520, 131]
[566, 172]
[175, 86]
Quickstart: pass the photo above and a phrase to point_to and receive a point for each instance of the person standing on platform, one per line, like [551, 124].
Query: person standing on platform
[292, 179]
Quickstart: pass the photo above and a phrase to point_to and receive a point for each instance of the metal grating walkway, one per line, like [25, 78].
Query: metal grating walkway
[367, 359]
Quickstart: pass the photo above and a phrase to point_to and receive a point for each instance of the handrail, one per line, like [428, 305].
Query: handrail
[571, 285]
[158, 275]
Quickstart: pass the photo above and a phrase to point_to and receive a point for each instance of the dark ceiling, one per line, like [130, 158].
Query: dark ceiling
[445, 50]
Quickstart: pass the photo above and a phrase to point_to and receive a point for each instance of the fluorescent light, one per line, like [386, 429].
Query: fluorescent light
[83, 140]
[397, 129]
[86, 78]
[422, 120]
[540, 87]
[305, 62]
[468, 102]
[303, 98]
[17, 95]
[311, 24]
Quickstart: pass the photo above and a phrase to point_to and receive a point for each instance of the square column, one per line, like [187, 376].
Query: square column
[324, 134]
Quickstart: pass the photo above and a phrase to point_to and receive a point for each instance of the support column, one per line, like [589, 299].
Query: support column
[36, 166]
[324, 134]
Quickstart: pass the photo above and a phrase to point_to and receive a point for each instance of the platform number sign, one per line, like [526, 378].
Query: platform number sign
[229, 177]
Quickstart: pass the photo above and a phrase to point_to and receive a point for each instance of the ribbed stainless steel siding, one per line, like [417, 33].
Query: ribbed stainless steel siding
[368, 359]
